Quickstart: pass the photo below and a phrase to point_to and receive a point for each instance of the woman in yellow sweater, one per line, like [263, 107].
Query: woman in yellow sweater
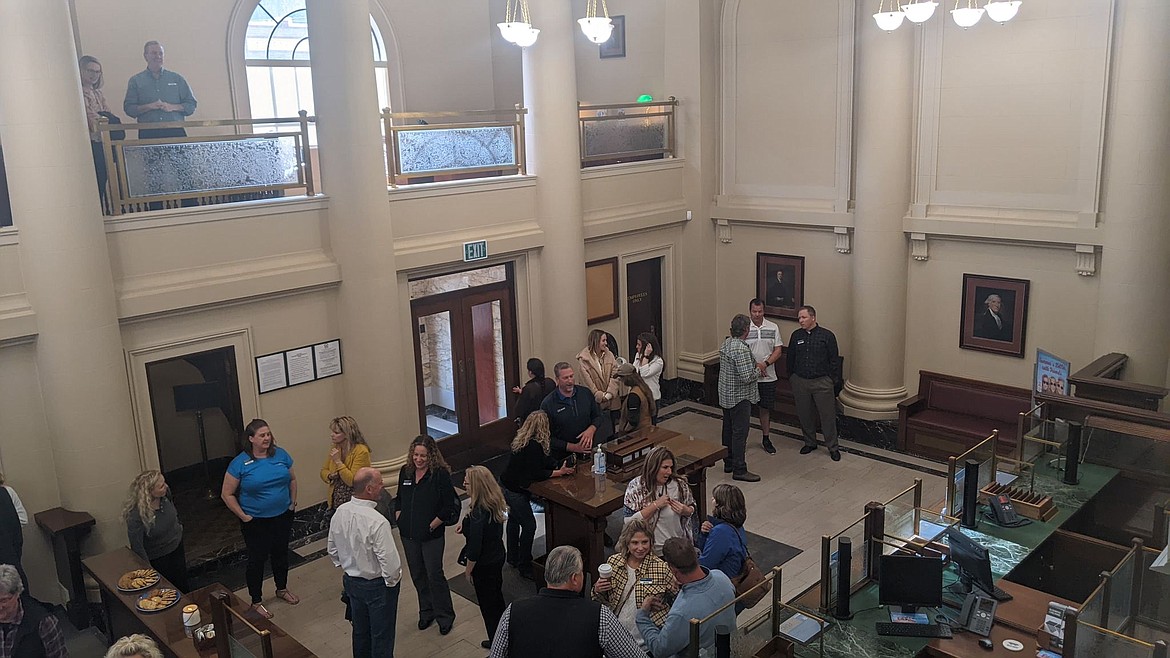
[348, 453]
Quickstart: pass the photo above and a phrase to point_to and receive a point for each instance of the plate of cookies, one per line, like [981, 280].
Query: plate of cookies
[138, 580]
[158, 599]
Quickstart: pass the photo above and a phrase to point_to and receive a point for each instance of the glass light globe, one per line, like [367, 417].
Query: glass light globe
[510, 31]
[527, 36]
[1002, 12]
[919, 12]
[597, 28]
[967, 16]
[889, 20]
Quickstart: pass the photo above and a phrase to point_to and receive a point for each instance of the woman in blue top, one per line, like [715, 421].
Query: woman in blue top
[261, 488]
[725, 542]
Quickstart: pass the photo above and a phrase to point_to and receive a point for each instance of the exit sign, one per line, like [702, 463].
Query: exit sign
[474, 250]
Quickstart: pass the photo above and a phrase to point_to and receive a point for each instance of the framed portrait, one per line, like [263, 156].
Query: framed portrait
[601, 290]
[995, 314]
[616, 45]
[780, 283]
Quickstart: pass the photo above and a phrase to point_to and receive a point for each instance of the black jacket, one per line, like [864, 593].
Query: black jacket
[419, 503]
[533, 393]
[485, 537]
[568, 417]
[555, 622]
[527, 466]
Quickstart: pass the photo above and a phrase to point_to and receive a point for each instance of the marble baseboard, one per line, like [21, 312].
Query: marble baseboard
[308, 525]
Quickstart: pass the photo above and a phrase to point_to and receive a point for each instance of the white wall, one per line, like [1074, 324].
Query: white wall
[641, 71]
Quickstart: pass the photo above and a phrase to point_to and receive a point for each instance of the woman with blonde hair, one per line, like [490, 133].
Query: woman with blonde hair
[597, 365]
[153, 528]
[530, 462]
[661, 498]
[637, 573]
[483, 557]
[134, 646]
[347, 453]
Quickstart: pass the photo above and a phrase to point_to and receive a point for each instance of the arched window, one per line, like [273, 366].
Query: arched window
[276, 56]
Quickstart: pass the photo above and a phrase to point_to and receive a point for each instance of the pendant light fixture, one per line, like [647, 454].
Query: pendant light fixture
[596, 28]
[517, 26]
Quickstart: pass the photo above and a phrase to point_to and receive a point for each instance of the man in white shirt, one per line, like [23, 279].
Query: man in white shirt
[764, 340]
[360, 543]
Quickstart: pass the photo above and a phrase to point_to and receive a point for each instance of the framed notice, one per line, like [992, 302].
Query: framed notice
[327, 357]
[601, 290]
[300, 365]
[271, 373]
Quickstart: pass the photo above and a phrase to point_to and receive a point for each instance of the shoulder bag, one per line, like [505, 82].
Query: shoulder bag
[749, 576]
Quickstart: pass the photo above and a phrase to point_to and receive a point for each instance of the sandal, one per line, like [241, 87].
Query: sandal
[259, 609]
[288, 596]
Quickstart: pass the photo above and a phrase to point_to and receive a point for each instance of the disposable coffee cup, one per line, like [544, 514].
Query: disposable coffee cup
[604, 571]
[191, 618]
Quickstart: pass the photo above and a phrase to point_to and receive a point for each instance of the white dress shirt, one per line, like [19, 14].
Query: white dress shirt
[360, 543]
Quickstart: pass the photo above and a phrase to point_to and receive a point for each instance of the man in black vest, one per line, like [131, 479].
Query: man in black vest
[558, 623]
[26, 630]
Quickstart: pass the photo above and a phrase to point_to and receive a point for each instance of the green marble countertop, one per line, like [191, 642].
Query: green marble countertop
[857, 638]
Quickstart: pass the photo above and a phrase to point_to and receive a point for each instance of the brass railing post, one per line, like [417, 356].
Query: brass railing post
[670, 127]
[521, 142]
[826, 573]
[1107, 586]
[693, 646]
[777, 599]
[391, 152]
[307, 169]
[917, 504]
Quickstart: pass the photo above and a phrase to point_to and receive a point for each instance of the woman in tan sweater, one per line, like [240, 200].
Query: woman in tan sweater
[596, 368]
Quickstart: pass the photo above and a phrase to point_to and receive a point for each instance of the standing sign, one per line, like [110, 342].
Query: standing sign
[1051, 374]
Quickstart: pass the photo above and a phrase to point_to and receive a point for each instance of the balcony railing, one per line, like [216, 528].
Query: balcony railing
[426, 147]
[167, 172]
[626, 132]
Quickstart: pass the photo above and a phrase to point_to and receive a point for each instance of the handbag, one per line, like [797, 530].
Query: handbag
[342, 493]
[749, 577]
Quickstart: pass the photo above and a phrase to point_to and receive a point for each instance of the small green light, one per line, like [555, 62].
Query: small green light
[645, 98]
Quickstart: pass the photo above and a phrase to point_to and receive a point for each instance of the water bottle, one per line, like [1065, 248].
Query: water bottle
[598, 461]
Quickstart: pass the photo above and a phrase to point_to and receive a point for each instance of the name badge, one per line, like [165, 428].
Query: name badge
[800, 342]
[249, 462]
[407, 483]
[646, 581]
[172, 84]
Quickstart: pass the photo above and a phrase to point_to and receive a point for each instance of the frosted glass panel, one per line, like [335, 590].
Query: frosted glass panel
[444, 149]
[162, 169]
[633, 133]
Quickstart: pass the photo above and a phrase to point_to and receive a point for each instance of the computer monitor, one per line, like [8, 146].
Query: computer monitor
[972, 561]
[910, 581]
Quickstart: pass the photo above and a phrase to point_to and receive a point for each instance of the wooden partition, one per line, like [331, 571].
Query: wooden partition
[1101, 380]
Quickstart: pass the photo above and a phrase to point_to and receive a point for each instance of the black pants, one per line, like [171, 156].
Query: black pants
[735, 430]
[99, 167]
[488, 581]
[521, 529]
[173, 567]
[267, 538]
[424, 560]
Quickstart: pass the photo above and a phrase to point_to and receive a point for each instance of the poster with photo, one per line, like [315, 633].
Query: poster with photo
[1051, 374]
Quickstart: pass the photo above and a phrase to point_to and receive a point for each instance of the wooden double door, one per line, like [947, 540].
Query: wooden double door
[466, 364]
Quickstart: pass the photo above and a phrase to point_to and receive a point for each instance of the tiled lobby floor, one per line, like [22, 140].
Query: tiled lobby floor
[800, 498]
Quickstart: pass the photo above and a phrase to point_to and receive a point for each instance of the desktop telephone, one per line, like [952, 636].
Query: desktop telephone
[978, 614]
[1003, 513]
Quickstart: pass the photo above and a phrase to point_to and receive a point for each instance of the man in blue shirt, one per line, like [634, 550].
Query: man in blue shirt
[157, 95]
[701, 593]
[573, 414]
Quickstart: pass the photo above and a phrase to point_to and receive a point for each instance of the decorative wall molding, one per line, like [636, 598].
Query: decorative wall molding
[629, 218]
[218, 213]
[785, 197]
[1086, 259]
[843, 244]
[1077, 209]
[18, 321]
[627, 168]
[691, 365]
[431, 249]
[165, 293]
[1056, 237]
[723, 230]
[918, 247]
[451, 188]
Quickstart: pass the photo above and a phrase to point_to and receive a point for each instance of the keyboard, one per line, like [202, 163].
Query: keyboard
[913, 630]
[1000, 595]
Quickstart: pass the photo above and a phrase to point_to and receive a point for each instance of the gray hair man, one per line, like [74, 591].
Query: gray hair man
[738, 374]
[558, 623]
[26, 629]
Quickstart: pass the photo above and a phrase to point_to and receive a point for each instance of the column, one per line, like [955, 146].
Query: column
[1133, 314]
[371, 314]
[692, 76]
[882, 114]
[66, 267]
[554, 156]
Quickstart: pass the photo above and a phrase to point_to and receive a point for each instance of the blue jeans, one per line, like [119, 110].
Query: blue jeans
[375, 613]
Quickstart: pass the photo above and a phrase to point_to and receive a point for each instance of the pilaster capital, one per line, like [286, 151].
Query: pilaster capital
[843, 239]
[918, 246]
[1086, 259]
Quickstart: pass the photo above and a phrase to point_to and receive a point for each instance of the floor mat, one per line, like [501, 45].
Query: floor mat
[767, 553]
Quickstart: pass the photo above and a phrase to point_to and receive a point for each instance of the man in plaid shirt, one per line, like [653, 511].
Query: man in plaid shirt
[26, 629]
[738, 373]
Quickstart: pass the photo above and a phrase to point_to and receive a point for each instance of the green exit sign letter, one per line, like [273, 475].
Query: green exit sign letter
[474, 250]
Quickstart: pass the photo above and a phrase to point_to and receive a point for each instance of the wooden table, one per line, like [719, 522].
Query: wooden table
[166, 627]
[578, 505]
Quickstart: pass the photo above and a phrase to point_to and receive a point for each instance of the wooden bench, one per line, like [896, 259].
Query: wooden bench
[785, 404]
[950, 414]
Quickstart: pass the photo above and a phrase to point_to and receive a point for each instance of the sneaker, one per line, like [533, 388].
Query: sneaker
[835, 454]
[768, 447]
[746, 476]
[807, 449]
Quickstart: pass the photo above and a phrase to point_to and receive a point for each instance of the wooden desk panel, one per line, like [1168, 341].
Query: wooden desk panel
[166, 627]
